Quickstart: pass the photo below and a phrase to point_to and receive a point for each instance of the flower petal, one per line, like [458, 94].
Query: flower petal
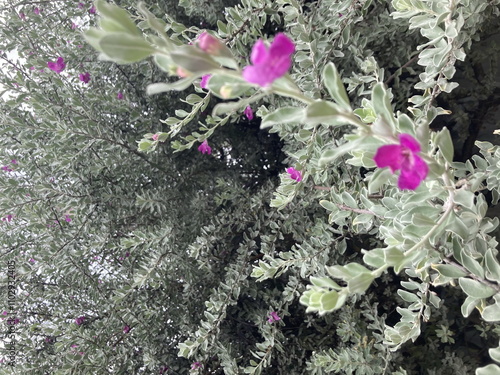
[281, 46]
[389, 156]
[411, 178]
[256, 74]
[280, 67]
[409, 142]
[260, 54]
[204, 81]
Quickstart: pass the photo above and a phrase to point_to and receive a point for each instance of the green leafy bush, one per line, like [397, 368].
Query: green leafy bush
[283, 244]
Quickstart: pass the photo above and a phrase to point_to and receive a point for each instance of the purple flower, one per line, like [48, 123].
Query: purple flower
[273, 317]
[13, 161]
[84, 77]
[269, 64]
[8, 218]
[6, 168]
[22, 16]
[79, 320]
[5, 313]
[248, 113]
[196, 366]
[67, 218]
[119, 96]
[74, 25]
[81, 5]
[92, 10]
[204, 81]
[31, 260]
[57, 66]
[405, 157]
[204, 148]
[163, 369]
[155, 137]
[294, 174]
[36, 11]
[209, 43]
[126, 329]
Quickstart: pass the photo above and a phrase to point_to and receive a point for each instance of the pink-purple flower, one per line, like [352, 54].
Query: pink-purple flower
[36, 11]
[405, 157]
[119, 96]
[155, 137]
[57, 66]
[269, 64]
[92, 10]
[196, 365]
[84, 77]
[248, 113]
[204, 148]
[294, 174]
[273, 317]
[204, 81]
[126, 329]
[67, 218]
[209, 43]
[11, 321]
[79, 320]
[8, 218]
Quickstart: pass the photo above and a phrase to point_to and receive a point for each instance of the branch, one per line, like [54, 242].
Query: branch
[473, 276]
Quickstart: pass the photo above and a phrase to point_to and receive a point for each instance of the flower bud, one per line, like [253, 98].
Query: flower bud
[182, 72]
[225, 91]
[209, 44]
